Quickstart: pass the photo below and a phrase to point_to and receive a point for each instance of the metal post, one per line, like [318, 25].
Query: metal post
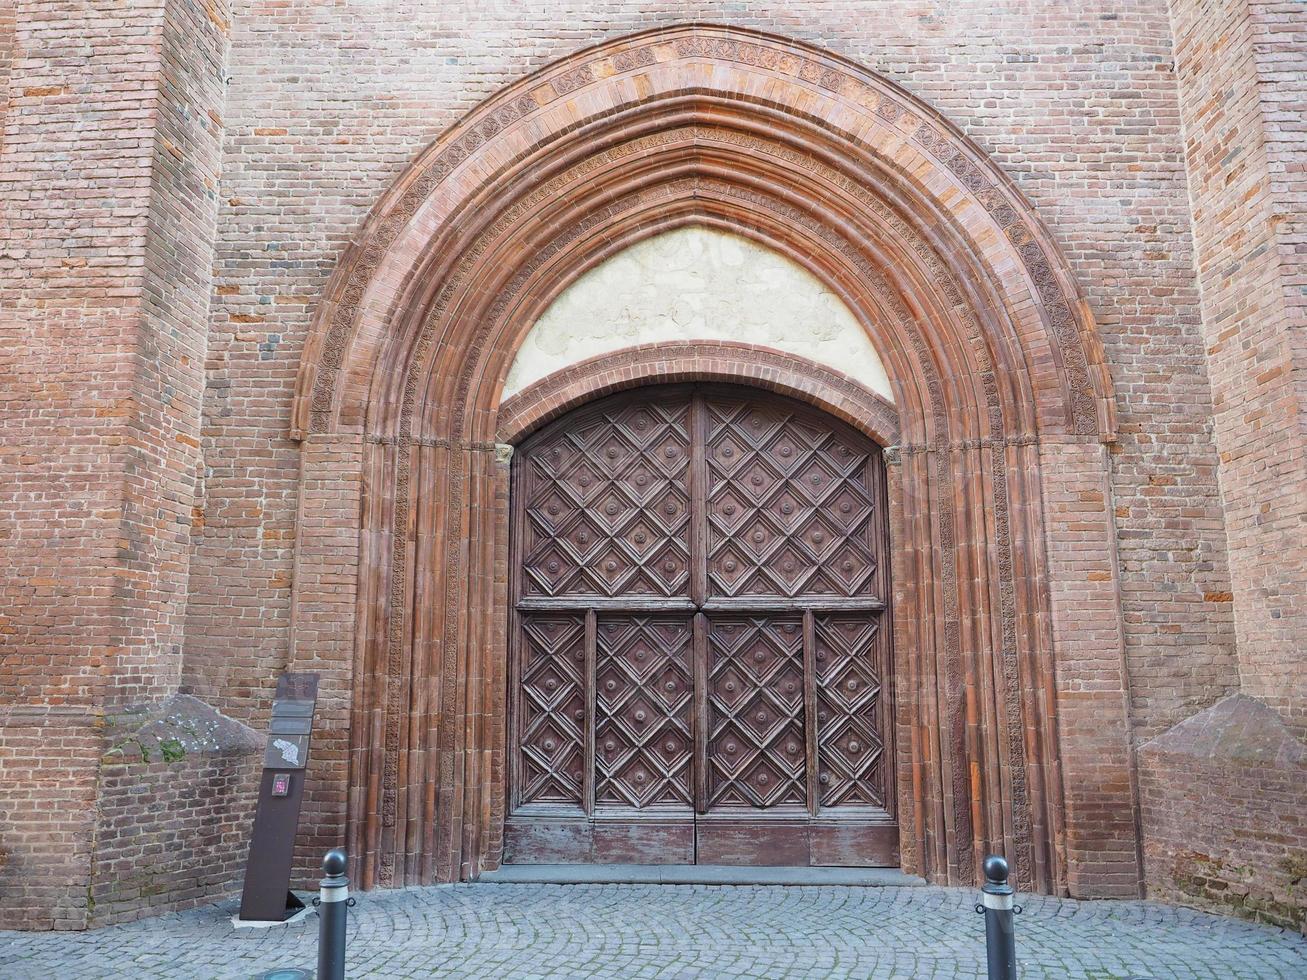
[998, 906]
[333, 909]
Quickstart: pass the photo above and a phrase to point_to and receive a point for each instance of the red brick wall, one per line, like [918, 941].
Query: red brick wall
[48, 772]
[327, 560]
[175, 806]
[1272, 668]
[98, 824]
[145, 469]
[194, 855]
[73, 265]
[1079, 107]
[1092, 685]
[161, 450]
[109, 265]
[108, 186]
[82, 93]
[1222, 821]
[6, 61]
[1279, 36]
[1242, 90]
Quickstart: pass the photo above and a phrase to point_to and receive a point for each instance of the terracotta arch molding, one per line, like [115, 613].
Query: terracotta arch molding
[999, 384]
[698, 360]
[529, 125]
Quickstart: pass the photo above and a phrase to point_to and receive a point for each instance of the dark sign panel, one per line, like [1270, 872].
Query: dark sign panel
[267, 896]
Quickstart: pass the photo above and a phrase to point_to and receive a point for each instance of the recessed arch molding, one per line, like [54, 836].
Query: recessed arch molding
[701, 360]
[1002, 406]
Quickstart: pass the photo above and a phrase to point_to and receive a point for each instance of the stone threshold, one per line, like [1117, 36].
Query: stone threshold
[694, 874]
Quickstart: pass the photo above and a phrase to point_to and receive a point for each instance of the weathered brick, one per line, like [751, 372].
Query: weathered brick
[168, 238]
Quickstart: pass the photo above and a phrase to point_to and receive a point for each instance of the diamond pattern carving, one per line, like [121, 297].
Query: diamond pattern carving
[556, 457]
[757, 537]
[783, 452]
[670, 452]
[819, 536]
[790, 508]
[611, 567]
[786, 510]
[670, 569]
[755, 740]
[583, 481]
[728, 454]
[730, 509]
[583, 536]
[553, 569]
[627, 468]
[640, 481]
[849, 746]
[615, 451]
[552, 511]
[552, 709]
[643, 743]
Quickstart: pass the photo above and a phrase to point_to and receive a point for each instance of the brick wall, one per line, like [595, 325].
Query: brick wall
[70, 291]
[1271, 667]
[104, 818]
[49, 764]
[108, 185]
[7, 25]
[149, 491]
[1223, 791]
[327, 563]
[71, 279]
[108, 178]
[1242, 87]
[160, 453]
[1079, 105]
[194, 855]
[177, 788]
[1092, 684]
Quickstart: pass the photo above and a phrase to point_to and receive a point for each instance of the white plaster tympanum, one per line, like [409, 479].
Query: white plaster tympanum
[697, 284]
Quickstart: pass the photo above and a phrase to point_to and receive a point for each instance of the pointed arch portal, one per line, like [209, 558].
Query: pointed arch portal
[1004, 603]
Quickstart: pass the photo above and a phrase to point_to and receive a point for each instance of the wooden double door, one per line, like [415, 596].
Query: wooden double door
[700, 641]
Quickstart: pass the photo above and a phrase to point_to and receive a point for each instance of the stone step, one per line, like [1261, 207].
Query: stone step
[695, 874]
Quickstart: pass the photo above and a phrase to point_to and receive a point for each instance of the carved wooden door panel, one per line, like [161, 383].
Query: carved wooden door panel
[791, 505]
[754, 746]
[699, 653]
[552, 713]
[642, 720]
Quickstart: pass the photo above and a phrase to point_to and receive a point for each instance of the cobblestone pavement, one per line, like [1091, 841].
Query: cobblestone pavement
[638, 931]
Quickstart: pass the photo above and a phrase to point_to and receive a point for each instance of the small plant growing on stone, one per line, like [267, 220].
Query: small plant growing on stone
[172, 750]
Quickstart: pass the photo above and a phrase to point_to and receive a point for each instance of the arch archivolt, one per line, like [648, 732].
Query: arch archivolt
[713, 360]
[989, 349]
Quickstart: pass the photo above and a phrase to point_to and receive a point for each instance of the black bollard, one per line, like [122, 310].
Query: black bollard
[333, 910]
[999, 907]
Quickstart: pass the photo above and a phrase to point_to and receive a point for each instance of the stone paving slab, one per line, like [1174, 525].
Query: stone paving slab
[531, 931]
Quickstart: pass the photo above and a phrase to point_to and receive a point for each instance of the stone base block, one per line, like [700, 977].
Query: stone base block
[1224, 810]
